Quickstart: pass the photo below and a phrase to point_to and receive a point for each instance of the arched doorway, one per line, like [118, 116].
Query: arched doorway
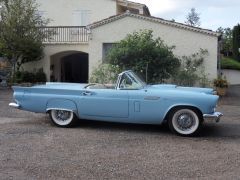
[70, 66]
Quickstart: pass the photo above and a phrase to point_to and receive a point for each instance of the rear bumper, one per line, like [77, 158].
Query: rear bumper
[14, 105]
[215, 116]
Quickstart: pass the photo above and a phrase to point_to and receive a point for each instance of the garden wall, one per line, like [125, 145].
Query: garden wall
[233, 76]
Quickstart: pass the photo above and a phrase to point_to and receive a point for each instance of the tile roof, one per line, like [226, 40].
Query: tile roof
[152, 19]
[131, 2]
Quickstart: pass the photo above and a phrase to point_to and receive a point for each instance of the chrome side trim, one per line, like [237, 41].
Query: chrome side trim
[59, 109]
[214, 92]
[215, 116]
[14, 105]
[151, 98]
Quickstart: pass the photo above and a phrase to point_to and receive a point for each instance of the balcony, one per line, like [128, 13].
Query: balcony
[65, 34]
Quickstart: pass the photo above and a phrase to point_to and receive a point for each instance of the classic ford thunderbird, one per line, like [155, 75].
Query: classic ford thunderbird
[131, 100]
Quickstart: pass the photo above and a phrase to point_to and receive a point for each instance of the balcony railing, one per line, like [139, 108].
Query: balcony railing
[65, 34]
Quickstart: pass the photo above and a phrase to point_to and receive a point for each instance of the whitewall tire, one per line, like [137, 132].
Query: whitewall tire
[184, 121]
[63, 118]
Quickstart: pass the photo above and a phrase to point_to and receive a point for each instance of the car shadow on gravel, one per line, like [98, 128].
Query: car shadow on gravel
[208, 130]
[223, 130]
[124, 127]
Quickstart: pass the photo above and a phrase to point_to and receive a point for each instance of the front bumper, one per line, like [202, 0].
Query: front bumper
[215, 116]
[14, 105]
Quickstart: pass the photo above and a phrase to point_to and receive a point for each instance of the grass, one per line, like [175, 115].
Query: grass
[229, 63]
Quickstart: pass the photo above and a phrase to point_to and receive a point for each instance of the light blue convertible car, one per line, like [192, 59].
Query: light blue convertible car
[131, 100]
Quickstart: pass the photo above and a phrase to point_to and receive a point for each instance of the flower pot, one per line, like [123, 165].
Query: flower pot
[221, 91]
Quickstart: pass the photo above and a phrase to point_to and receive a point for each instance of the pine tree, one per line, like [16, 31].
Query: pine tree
[193, 18]
[227, 39]
[236, 42]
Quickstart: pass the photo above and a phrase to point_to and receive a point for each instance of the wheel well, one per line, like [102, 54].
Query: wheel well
[62, 104]
[198, 111]
[50, 109]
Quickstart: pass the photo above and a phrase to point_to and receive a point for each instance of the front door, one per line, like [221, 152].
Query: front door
[104, 103]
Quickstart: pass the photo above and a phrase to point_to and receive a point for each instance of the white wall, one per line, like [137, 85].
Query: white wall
[61, 11]
[187, 42]
[51, 50]
[233, 76]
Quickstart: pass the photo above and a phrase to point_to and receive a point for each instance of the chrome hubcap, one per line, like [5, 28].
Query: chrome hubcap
[62, 115]
[185, 121]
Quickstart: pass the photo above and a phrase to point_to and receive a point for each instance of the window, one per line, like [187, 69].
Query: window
[81, 17]
[106, 48]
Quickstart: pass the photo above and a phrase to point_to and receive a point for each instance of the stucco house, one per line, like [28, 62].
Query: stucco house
[86, 29]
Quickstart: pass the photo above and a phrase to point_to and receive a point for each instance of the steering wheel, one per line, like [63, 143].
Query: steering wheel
[94, 84]
[87, 86]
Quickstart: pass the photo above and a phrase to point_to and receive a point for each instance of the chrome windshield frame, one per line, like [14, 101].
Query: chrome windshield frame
[133, 77]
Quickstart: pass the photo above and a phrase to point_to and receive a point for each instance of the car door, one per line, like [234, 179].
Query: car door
[145, 107]
[98, 103]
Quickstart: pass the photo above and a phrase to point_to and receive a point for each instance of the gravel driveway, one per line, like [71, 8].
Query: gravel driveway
[32, 148]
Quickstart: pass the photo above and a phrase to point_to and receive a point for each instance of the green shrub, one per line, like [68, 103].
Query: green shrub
[192, 70]
[40, 76]
[29, 77]
[229, 63]
[236, 42]
[144, 54]
[105, 73]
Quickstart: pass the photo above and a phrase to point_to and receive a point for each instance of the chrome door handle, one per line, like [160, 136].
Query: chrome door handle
[86, 93]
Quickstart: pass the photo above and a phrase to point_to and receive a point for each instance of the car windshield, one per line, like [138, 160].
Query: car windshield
[137, 78]
[129, 80]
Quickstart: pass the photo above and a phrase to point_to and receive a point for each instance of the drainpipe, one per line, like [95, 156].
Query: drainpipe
[89, 32]
[147, 73]
[219, 55]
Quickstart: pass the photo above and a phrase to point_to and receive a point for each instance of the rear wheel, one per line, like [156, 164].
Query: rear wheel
[63, 118]
[184, 121]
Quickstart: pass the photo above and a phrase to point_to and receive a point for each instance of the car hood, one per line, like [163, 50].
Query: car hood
[181, 88]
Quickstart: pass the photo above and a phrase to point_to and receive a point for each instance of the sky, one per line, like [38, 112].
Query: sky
[213, 13]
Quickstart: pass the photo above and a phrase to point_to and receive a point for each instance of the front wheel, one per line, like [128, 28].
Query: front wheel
[184, 121]
[63, 118]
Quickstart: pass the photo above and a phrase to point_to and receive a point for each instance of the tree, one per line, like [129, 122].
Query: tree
[142, 53]
[227, 38]
[236, 42]
[20, 36]
[105, 74]
[193, 18]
